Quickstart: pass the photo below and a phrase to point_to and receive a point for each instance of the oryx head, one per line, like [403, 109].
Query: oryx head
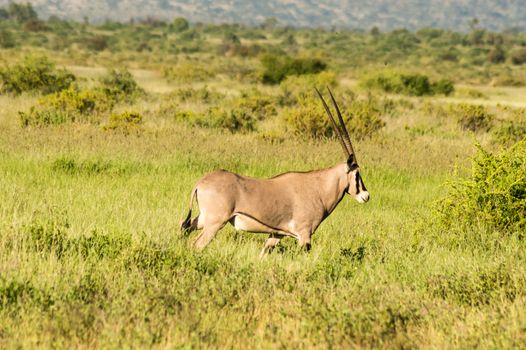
[355, 185]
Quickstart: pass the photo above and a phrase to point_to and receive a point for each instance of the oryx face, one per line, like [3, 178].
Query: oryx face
[356, 187]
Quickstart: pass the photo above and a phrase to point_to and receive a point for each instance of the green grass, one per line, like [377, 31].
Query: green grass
[91, 257]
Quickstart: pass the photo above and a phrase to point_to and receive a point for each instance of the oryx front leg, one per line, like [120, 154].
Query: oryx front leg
[271, 242]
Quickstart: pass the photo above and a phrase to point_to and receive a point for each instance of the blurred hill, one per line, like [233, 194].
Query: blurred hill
[357, 14]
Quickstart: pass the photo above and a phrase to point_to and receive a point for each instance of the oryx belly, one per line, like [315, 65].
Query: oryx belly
[246, 223]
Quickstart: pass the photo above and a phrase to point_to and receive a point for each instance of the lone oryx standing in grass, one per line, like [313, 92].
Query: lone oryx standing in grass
[291, 204]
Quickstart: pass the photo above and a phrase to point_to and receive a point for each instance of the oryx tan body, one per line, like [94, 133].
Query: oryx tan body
[291, 204]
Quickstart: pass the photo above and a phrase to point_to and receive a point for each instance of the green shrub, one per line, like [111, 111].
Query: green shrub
[509, 132]
[480, 287]
[442, 87]
[407, 83]
[472, 117]
[278, 67]
[180, 24]
[260, 106]
[120, 85]
[7, 40]
[72, 166]
[233, 120]
[497, 55]
[69, 105]
[298, 88]
[518, 56]
[34, 74]
[125, 122]
[493, 195]
[307, 118]
[200, 95]
[97, 43]
[362, 118]
[187, 72]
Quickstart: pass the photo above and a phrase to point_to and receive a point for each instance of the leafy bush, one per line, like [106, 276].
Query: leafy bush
[442, 87]
[125, 122]
[480, 287]
[201, 95]
[276, 68]
[120, 85]
[509, 132]
[362, 118]
[71, 164]
[69, 105]
[7, 40]
[494, 195]
[472, 117]
[180, 24]
[298, 88]
[34, 73]
[518, 56]
[497, 55]
[188, 72]
[407, 83]
[308, 118]
[260, 106]
[97, 43]
[233, 120]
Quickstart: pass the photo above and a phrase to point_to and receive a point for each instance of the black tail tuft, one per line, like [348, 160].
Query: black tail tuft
[186, 223]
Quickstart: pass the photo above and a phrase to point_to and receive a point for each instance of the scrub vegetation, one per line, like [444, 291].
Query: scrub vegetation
[105, 129]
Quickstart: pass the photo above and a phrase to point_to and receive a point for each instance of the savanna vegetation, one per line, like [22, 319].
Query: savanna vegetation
[105, 129]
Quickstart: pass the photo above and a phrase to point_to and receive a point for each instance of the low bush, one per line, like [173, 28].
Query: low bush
[260, 106]
[233, 120]
[125, 122]
[413, 84]
[511, 130]
[69, 105]
[472, 117]
[518, 56]
[120, 85]
[7, 40]
[72, 166]
[477, 288]
[277, 68]
[362, 118]
[34, 74]
[199, 95]
[187, 72]
[493, 195]
[298, 88]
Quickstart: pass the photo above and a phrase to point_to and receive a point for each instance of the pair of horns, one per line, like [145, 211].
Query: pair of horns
[343, 134]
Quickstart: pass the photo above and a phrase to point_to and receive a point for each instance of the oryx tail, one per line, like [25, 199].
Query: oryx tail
[187, 223]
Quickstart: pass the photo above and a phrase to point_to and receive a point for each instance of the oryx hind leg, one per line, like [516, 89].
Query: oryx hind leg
[209, 231]
[271, 242]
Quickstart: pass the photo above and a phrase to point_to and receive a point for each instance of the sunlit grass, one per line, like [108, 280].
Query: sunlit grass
[91, 256]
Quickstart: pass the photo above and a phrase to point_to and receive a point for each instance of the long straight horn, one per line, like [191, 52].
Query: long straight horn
[345, 132]
[340, 137]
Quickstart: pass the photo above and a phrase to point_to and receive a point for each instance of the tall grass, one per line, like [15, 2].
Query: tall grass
[91, 257]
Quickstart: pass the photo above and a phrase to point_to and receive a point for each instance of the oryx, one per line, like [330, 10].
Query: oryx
[291, 204]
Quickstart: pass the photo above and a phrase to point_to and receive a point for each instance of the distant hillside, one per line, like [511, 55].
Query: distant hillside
[363, 14]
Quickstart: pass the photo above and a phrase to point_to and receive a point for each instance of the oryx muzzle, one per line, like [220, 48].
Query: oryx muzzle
[291, 204]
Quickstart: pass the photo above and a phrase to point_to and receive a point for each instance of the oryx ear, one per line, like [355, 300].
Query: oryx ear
[351, 163]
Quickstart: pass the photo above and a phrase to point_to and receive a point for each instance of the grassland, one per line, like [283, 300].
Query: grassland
[90, 251]
[91, 256]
